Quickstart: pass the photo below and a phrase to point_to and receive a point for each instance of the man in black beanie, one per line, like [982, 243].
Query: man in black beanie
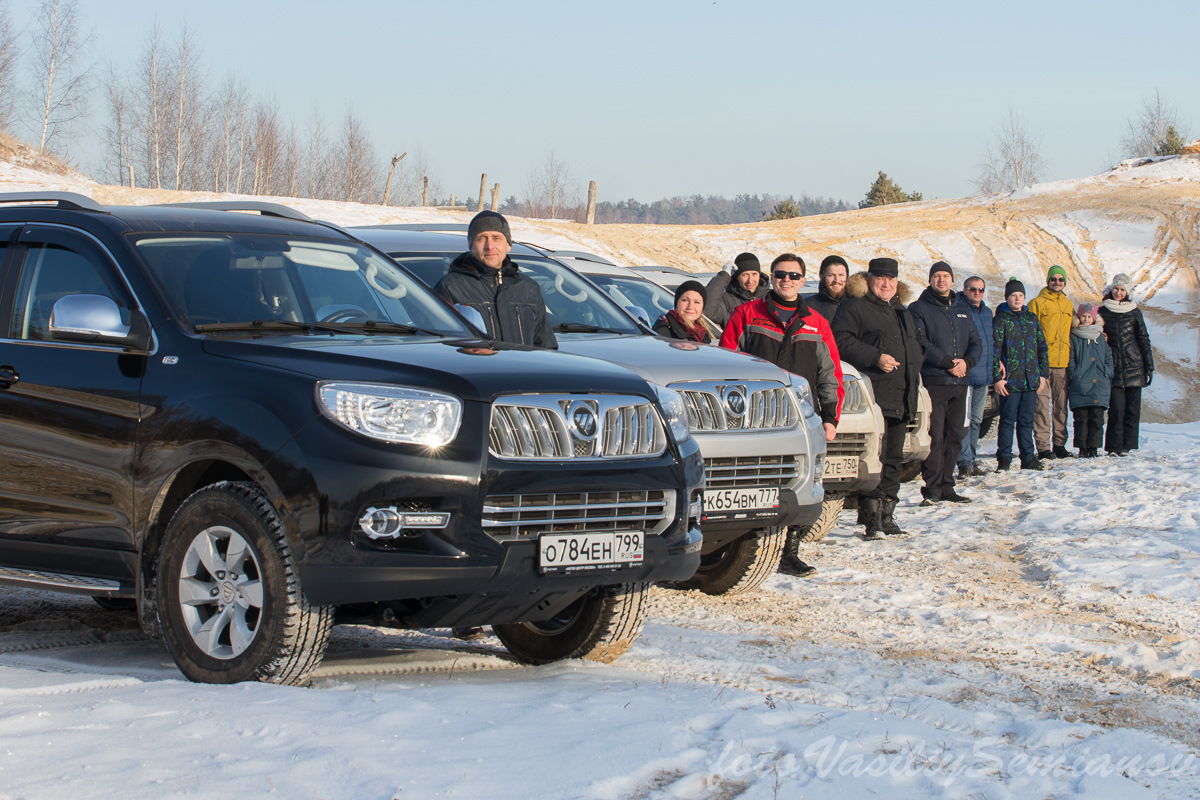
[486, 279]
[876, 334]
[738, 282]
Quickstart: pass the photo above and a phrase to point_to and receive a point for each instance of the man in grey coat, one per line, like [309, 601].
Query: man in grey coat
[738, 282]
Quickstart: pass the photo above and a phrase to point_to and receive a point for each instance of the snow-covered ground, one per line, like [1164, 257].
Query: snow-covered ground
[1040, 642]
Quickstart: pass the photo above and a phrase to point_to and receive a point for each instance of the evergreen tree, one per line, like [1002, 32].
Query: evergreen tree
[1171, 144]
[784, 209]
[885, 191]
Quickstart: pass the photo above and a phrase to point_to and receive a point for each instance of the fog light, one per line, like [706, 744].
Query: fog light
[381, 523]
[390, 522]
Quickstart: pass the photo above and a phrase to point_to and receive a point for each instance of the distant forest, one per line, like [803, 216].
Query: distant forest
[694, 210]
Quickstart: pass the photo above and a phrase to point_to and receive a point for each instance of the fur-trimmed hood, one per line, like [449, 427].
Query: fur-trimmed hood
[856, 286]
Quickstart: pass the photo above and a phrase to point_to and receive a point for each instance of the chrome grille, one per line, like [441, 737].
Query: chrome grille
[560, 428]
[745, 472]
[854, 398]
[745, 405]
[847, 444]
[522, 516]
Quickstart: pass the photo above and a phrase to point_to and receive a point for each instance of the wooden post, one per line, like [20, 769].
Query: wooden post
[453, 199]
[482, 189]
[387, 189]
[425, 191]
[496, 197]
[591, 209]
[131, 186]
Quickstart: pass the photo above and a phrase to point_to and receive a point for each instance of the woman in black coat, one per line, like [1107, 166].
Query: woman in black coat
[1133, 365]
[686, 320]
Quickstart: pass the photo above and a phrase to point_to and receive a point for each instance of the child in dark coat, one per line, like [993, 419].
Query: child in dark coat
[1089, 379]
[1021, 367]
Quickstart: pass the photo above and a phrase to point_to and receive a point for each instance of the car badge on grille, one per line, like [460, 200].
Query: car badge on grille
[735, 400]
[582, 420]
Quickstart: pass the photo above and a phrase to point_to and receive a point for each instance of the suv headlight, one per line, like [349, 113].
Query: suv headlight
[392, 413]
[674, 411]
[804, 396]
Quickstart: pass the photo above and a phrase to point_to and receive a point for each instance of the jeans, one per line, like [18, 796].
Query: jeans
[1016, 411]
[976, 400]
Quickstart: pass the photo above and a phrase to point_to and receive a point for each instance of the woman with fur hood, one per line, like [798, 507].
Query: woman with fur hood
[1133, 365]
[1089, 379]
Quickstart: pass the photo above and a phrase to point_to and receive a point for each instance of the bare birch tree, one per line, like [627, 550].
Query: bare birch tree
[1148, 128]
[354, 161]
[1012, 158]
[550, 188]
[190, 116]
[151, 88]
[228, 126]
[60, 70]
[10, 51]
[119, 130]
[316, 158]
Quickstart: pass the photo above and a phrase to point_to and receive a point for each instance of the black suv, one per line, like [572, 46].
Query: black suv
[254, 426]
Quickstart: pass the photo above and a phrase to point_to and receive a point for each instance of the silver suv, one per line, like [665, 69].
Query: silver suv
[762, 443]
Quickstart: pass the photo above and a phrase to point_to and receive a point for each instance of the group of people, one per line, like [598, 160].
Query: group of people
[1040, 359]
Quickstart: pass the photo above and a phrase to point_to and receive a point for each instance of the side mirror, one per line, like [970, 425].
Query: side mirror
[472, 315]
[97, 319]
[639, 313]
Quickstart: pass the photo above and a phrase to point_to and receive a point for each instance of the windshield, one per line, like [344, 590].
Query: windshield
[629, 291]
[227, 281]
[574, 304]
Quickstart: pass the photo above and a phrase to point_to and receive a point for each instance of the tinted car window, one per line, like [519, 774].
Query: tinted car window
[48, 272]
[239, 279]
[652, 298]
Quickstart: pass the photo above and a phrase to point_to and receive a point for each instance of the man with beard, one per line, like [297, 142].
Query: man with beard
[486, 279]
[876, 334]
[952, 347]
[832, 288]
[739, 282]
[782, 329]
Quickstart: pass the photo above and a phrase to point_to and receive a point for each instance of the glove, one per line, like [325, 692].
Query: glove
[1149, 377]
[729, 267]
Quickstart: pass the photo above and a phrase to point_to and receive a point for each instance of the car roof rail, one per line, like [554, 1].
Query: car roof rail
[71, 200]
[582, 255]
[263, 208]
[428, 227]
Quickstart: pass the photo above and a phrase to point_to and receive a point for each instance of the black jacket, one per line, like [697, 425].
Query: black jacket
[949, 333]
[823, 304]
[669, 327]
[865, 328]
[724, 295]
[1133, 358]
[511, 303]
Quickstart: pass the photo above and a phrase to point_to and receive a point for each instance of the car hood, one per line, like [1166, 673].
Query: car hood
[471, 369]
[666, 361]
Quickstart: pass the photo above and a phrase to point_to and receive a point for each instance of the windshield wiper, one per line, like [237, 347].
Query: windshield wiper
[583, 327]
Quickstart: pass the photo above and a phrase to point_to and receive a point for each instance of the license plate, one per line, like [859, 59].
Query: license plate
[841, 467]
[718, 501]
[568, 552]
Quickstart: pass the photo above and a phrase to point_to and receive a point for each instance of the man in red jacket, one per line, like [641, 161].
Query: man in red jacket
[782, 329]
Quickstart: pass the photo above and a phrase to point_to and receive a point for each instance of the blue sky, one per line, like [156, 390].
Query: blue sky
[655, 99]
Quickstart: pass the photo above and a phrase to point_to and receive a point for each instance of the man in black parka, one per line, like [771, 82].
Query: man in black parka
[486, 279]
[876, 334]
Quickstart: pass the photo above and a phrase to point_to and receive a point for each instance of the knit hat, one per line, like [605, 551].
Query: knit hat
[883, 267]
[1120, 279]
[1055, 270]
[1086, 308]
[690, 286]
[1013, 285]
[745, 262]
[940, 266]
[488, 221]
[830, 260]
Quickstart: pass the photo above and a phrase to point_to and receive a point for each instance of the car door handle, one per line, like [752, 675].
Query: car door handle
[8, 376]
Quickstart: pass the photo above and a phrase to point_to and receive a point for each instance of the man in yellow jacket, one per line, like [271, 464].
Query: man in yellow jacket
[1054, 311]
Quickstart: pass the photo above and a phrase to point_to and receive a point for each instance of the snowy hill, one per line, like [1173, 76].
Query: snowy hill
[1141, 218]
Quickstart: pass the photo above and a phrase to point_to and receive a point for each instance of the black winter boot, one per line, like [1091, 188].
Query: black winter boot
[887, 508]
[869, 509]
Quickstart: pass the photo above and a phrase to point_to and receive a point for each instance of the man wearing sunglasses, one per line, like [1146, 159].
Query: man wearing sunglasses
[782, 329]
[979, 376]
[1054, 311]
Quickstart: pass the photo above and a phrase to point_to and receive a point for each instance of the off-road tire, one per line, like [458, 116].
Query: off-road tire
[740, 566]
[600, 626]
[910, 471]
[267, 629]
[831, 507]
[986, 425]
